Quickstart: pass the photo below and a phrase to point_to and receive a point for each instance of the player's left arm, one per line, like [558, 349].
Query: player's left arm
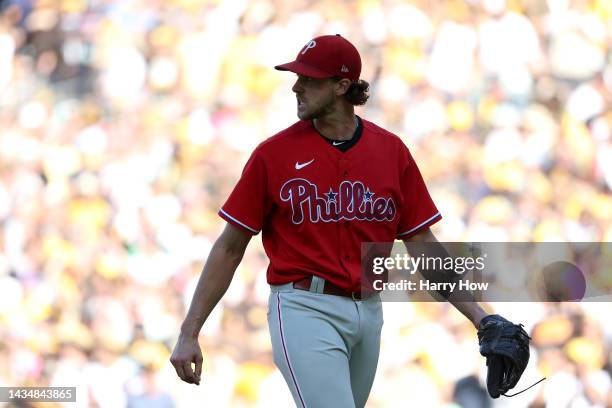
[463, 301]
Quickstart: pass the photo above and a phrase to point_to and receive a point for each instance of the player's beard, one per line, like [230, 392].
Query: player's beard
[318, 110]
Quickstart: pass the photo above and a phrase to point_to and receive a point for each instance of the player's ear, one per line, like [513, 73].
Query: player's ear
[342, 85]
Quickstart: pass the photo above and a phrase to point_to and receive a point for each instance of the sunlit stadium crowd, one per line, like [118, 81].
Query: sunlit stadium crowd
[125, 124]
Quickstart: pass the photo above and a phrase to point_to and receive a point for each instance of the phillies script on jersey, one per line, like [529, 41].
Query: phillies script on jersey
[353, 201]
[315, 204]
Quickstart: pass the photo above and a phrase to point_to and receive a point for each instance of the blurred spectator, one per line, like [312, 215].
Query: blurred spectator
[150, 396]
[469, 392]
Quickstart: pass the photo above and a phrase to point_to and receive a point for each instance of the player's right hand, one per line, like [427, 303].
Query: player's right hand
[186, 352]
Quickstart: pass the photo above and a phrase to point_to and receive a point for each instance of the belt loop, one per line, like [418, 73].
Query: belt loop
[321, 287]
[317, 284]
[313, 284]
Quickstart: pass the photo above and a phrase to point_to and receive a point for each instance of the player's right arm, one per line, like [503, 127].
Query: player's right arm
[224, 258]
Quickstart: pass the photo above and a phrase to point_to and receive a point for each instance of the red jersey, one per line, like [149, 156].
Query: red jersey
[316, 204]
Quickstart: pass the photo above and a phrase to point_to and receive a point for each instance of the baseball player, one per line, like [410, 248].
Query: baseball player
[316, 191]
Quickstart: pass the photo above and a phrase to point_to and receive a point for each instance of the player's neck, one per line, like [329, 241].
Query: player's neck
[337, 127]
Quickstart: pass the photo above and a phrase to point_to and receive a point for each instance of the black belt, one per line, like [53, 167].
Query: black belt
[331, 289]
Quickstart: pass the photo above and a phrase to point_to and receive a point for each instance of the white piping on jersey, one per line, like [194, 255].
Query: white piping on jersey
[420, 225]
[238, 222]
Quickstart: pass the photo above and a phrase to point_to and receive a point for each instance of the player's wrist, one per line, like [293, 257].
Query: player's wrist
[479, 318]
[190, 330]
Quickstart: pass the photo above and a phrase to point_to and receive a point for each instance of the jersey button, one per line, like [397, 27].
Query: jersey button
[346, 257]
[345, 173]
[346, 224]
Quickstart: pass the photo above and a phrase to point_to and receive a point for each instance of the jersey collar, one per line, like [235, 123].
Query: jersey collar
[347, 144]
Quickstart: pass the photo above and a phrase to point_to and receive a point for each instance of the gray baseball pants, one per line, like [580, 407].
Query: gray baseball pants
[325, 346]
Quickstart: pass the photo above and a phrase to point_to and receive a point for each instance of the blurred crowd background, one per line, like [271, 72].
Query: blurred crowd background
[125, 124]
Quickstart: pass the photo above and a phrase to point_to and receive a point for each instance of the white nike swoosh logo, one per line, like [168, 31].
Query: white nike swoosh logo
[338, 143]
[299, 165]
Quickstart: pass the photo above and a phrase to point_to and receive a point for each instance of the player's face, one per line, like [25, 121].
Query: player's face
[315, 97]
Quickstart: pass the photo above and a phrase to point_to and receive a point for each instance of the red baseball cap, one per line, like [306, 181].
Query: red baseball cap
[326, 56]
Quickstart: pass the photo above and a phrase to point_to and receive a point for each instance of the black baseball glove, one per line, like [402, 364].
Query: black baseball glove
[506, 347]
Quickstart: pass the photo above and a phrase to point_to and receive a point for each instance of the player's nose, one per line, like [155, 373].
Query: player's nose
[297, 87]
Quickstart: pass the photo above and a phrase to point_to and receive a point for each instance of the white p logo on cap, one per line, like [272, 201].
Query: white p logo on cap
[311, 44]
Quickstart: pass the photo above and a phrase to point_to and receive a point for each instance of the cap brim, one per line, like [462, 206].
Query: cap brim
[303, 69]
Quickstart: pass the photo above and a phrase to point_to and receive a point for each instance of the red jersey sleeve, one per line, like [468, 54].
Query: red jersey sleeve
[418, 210]
[248, 204]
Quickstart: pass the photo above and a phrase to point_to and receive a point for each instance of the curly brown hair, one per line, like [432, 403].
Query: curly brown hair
[358, 92]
